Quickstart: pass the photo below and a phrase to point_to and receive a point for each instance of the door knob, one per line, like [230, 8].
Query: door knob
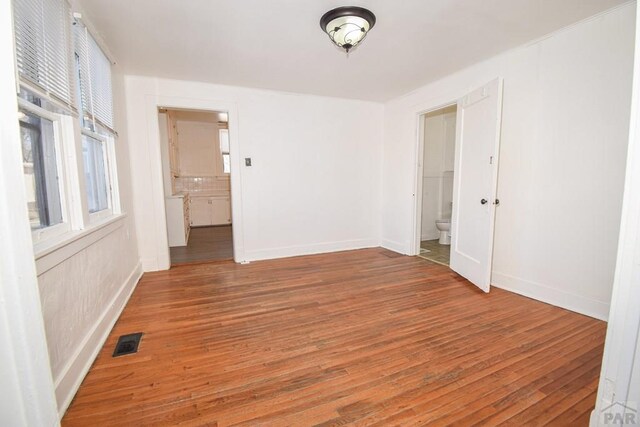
[483, 201]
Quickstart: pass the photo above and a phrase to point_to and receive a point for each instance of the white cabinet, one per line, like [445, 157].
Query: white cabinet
[221, 210]
[210, 210]
[178, 220]
[200, 211]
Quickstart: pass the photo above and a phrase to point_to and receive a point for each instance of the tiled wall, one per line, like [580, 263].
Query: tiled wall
[195, 184]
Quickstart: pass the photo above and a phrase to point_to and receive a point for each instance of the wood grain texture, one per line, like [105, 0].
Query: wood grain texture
[205, 244]
[362, 337]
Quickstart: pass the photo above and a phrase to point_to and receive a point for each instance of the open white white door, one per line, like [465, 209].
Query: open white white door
[475, 183]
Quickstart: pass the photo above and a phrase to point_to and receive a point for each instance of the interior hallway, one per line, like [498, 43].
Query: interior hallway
[205, 244]
[365, 336]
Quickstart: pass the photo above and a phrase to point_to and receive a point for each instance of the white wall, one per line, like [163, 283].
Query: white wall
[84, 285]
[620, 374]
[564, 137]
[315, 181]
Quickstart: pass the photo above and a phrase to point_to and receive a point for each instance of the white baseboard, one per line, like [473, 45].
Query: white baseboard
[578, 303]
[149, 264]
[430, 236]
[400, 248]
[76, 369]
[317, 248]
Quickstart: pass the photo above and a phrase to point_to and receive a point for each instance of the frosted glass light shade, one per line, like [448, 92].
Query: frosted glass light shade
[347, 26]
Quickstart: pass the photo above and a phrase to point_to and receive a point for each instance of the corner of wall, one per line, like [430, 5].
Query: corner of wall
[395, 246]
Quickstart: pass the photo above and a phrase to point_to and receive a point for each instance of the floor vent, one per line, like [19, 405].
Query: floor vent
[127, 344]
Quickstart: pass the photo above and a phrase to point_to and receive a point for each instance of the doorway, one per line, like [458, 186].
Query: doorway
[438, 130]
[197, 184]
[466, 220]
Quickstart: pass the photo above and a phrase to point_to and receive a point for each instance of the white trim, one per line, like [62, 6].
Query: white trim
[551, 295]
[64, 150]
[74, 172]
[114, 181]
[152, 103]
[98, 216]
[151, 264]
[53, 252]
[43, 235]
[394, 246]
[111, 170]
[76, 369]
[38, 111]
[318, 248]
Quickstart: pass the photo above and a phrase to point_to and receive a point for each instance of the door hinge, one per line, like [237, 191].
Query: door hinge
[490, 160]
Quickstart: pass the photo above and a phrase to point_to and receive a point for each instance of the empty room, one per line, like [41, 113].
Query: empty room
[314, 213]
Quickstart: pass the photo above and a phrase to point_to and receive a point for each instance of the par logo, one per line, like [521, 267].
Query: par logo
[620, 414]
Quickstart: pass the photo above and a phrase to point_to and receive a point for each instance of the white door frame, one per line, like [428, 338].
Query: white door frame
[419, 167]
[153, 102]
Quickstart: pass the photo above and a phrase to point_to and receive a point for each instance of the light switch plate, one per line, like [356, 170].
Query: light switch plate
[247, 161]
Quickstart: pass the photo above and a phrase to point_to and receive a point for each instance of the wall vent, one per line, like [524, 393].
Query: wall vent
[127, 344]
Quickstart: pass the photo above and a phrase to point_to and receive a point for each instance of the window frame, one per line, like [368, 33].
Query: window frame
[222, 152]
[113, 196]
[62, 127]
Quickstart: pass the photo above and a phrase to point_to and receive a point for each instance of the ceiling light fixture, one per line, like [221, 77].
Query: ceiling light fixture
[347, 26]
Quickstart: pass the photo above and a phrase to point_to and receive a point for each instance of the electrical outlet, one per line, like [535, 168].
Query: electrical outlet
[247, 161]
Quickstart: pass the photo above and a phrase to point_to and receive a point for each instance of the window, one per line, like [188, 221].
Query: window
[96, 174]
[224, 149]
[42, 30]
[94, 99]
[63, 74]
[93, 71]
[41, 175]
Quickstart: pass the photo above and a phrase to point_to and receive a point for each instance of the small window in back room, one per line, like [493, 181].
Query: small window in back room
[224, 149]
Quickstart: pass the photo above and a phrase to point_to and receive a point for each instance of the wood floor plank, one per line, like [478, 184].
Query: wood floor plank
[361, 337]
[205, 244]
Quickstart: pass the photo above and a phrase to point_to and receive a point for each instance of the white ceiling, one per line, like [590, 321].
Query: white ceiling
[278, 44]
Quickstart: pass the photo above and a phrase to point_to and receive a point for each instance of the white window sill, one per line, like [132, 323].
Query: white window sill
[52, 252]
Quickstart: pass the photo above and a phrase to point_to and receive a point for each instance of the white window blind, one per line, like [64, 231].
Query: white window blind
[94, 74]
[43, 46]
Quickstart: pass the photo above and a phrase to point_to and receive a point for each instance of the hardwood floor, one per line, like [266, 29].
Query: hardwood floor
[205, 244]
[363, 337]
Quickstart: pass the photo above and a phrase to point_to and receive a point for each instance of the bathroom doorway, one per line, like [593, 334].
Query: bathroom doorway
[467, 161]
[438, 130]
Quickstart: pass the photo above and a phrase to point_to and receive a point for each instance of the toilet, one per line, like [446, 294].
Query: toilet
[443, 226]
